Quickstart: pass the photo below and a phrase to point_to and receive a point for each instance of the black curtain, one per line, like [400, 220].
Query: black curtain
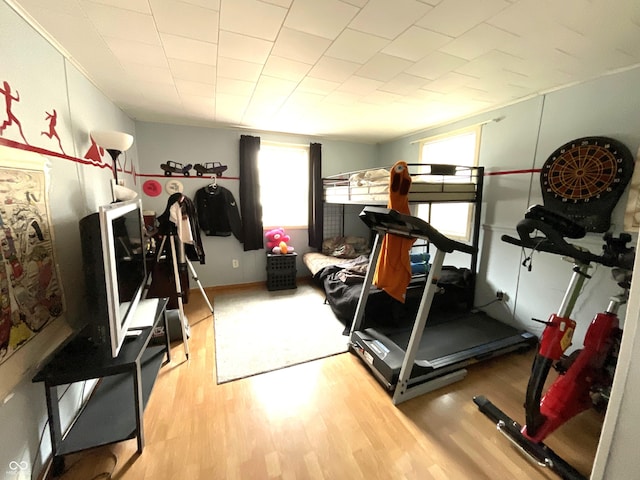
[250, 206]
[316, 212]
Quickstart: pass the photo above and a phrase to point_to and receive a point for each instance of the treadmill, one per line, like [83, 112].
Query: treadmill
[415, 360]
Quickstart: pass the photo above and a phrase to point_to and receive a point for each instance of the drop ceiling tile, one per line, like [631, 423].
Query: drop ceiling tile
[285, 68]
[416, 43]
[188, 87]
[454, 17]
[146, 73]
[270, 86]
[323, 19]
[333, 69]
[178, 18]
[280, 3]
[252, 17]
[359, 85]
[480, 39]
[188, 49]
[341, 98]
[449, 82]
[404, 84]
[239, 69]
[388, 19]
[538, 22]
[435, 65]
[383, 67]
[380, 98]
[211, 4]
[235, 87]
[300, 46]
[242, 47]
[198, 107]
[230, 108]
[317, 85]
[192, 71]
[125, 24]
[140, 6]
[355, 46]
[135, 52]
[65, 7]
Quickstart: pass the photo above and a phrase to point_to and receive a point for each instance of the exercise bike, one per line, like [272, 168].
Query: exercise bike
[585, 376]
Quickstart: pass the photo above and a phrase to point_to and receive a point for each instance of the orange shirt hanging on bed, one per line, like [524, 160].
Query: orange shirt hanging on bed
[393, 272]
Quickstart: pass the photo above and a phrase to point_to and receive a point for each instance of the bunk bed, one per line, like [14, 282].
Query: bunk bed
[341, 275]
[423, 344]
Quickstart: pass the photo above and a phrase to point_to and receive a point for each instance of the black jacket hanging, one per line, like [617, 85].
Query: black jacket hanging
[218, 212]
[193, 251]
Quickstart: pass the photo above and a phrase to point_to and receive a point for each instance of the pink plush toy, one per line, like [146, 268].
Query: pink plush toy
[278, 241]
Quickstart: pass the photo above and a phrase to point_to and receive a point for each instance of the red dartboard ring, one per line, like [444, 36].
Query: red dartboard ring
[584, 178]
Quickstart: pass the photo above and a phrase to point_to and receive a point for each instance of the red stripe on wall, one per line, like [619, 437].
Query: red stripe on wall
[512, 172]
[44, 151]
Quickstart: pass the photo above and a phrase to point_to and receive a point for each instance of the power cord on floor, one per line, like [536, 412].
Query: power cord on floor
[486, 304]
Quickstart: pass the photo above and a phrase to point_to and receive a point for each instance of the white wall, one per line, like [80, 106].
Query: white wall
[158, 143]
[46, 81]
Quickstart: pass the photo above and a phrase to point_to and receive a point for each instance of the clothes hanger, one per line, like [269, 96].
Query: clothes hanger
[213, 185]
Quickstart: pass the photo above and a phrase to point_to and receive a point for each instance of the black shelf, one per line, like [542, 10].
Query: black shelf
[106, 418]
[113, 412]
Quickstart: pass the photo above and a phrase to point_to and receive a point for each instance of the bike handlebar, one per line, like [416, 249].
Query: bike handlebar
[615, 252]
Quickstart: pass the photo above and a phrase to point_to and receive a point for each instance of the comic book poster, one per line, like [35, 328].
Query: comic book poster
[30, 292]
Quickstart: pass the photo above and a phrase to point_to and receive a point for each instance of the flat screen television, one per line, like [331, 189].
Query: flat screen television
[113, 262]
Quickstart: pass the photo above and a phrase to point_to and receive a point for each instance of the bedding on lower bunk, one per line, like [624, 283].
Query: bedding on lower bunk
[342, 279]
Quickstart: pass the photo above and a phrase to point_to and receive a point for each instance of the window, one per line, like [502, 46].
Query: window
[284, 184]
[458, 148]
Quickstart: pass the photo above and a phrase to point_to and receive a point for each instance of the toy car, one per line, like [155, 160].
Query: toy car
[215, 168]
[174, 167]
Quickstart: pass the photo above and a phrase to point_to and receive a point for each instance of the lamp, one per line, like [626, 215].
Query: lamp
[113, 142]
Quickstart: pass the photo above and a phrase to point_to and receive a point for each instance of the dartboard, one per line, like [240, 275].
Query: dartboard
[584, 178]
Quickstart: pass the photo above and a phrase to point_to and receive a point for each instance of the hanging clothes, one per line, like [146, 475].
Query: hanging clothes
[180, 218]
[393, 271]
[218, 212]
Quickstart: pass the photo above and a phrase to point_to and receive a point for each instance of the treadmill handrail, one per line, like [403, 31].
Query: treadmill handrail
[391, 221]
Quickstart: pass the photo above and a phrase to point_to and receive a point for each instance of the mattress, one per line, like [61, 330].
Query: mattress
[371, 187]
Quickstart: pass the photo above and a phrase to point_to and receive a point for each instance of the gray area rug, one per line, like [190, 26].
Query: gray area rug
[258, 331]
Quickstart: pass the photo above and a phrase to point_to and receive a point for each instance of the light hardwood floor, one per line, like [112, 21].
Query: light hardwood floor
[326, 419]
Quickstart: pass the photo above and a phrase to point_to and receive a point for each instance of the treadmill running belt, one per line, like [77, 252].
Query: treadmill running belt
[472, 330]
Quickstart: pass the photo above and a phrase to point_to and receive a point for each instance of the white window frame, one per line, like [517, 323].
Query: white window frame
[286, 183]
[431, 212]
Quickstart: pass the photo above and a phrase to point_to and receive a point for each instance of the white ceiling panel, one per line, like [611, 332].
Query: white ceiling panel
[260, 64]
[300, 46]
[178, 18]
[324, 19]
[333, 69]
[415, 43]
[242, 47]
[239, 69]
[388, 19]
[252, 18]
[383, 67]
[184, 70]
[189, 49]
[121, 23]
[285, 68]
[355, 46]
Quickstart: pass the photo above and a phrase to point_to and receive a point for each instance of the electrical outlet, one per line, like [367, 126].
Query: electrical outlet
[235, 263]
[501, 296]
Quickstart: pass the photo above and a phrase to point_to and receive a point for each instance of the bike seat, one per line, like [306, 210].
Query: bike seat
[561, 224]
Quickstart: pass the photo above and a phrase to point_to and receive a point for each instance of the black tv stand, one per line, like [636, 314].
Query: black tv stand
[113, 412]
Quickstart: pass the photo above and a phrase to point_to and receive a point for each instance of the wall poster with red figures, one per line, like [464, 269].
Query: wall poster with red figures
[30, 294]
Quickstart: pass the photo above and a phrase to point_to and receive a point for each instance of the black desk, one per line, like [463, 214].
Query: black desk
[114, 410]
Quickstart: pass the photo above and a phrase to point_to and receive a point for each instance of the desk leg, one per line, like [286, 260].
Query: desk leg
[167, 339]
[137, 392]
[55, 429]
